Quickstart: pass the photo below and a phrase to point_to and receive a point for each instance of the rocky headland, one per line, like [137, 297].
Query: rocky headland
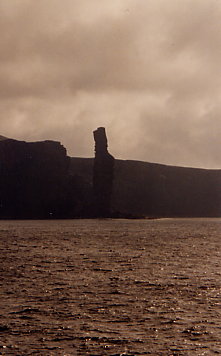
[39, 181]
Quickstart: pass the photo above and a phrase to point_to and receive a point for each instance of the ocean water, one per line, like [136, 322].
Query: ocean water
[110, 287]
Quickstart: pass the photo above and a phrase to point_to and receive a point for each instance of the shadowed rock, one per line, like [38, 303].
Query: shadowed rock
[38, 180]
[103, 172]
[33, 179]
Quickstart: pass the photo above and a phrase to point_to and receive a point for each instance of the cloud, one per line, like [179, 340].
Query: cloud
[147, 70]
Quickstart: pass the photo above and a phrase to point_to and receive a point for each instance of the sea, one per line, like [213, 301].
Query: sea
[110, 287]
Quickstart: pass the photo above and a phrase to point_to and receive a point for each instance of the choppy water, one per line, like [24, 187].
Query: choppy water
[110, 287]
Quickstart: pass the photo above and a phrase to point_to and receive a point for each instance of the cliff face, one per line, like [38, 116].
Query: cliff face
[158, 190]
[33, 179]
[102, 174]
[38, 180]
[148, 189]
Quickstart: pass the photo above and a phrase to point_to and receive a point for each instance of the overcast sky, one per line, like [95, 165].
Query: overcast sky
[147, 70]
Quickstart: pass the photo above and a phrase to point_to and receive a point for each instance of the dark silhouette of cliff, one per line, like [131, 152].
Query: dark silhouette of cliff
[35, 181]
[155, 190]
[103, 171]
[39, 181]
[158, 190]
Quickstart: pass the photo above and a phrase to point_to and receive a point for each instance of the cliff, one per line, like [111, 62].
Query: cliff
[158, 190]
[33, 179]
[39, 181]
[149, 189]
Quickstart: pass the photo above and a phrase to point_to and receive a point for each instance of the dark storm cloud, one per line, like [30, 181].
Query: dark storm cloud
[147, 70]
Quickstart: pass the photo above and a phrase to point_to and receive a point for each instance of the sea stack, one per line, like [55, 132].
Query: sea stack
[103, 174]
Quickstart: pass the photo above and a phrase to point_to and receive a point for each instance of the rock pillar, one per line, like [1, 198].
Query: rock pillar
[103, 173]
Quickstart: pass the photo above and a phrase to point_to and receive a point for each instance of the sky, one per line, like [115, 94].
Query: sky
[147, 70]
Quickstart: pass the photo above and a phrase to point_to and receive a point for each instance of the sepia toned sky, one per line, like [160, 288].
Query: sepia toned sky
[147, 70]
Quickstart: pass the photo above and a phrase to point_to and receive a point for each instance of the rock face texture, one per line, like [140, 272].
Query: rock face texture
[103, 173]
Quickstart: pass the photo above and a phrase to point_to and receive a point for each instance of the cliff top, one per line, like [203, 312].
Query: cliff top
[3, 138]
